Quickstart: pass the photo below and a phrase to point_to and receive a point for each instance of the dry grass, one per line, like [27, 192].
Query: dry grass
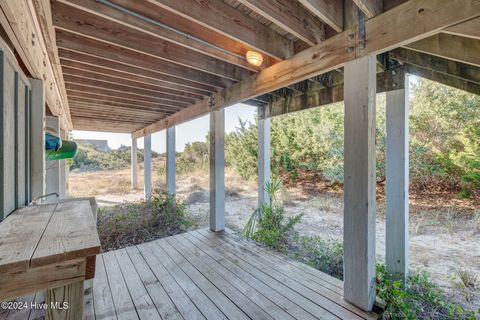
[117, 182]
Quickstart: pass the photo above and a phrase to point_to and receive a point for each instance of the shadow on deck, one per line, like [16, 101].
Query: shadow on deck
[203, 275]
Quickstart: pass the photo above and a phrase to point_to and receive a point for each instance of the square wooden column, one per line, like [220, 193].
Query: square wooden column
[397, 209]
[134, 163]
[37, 138]
[359, 182]
[217, 170]
[53, 167]
[147, 166]
[263, 157]
[171, 161]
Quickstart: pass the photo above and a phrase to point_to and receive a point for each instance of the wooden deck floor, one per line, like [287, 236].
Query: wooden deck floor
[203, 275]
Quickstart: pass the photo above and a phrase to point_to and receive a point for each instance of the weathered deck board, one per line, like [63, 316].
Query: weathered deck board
[203, 275]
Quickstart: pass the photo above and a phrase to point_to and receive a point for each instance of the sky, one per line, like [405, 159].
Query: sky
[195, 130]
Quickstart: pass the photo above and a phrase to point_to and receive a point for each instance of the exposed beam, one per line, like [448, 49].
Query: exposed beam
[125, 95]
[76, 42]
[109, 117]
[329, 11]
[291, 17]
[124, 15]
[451, 68]
[442, 78]
[100, 65]
[102, 97]
[20, 21]
[126, 89]
[470, 29]
[124, 110]
[78, 21]
[319, 96]
[188, 28]
[411, 21]
[370, 8]
[223, 18]
[101, 125]
[76, 98]
[451, 47]
[68, 71]
[44, 16]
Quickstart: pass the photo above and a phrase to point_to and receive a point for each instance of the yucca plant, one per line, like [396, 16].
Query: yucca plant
[267, 224]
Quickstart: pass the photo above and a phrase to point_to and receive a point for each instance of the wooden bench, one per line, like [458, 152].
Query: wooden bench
[49, 247]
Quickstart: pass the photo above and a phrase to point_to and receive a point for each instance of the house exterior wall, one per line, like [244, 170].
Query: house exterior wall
[15, 88]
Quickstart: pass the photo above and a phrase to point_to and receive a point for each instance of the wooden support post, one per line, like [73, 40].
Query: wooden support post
[53, 176]
[217, 170]
[359, 182]
[263, 157]
[68, 302]
[397, 166]
[147, 166]
[63, 170]
[134, 164]
[37, 138]
[171, 161]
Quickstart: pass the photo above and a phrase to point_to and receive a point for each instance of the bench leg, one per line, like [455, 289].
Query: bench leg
[67, 302]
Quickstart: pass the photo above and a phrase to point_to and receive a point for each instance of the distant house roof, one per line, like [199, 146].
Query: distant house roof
[101, 145]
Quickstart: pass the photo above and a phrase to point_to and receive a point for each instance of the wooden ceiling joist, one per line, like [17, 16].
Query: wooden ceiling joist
[81, 123]
[127, 89]
[329, 11]
[127, 15]
[105, 103]
[291, 17]
[68, 71]
[370, 8]
[222, 18]
[82, 44]
[144, 114]
[444, 79]
[87, 24]
[412, 21]
[469, 29]
[110, 117]
[451, 47]
[103, 66]
[24, 27]
[105, 97]
[124, 95]
[465, 72]
[188, 29]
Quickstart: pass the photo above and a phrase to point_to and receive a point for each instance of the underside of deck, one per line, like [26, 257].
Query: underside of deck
[200, 274]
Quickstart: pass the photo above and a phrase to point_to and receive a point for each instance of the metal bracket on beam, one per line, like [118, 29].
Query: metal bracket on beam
[262, 112]
[212, 101]
[362, 33]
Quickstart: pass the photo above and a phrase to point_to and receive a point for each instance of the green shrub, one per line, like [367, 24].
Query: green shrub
[88, 158]
[268, 223]
[134, 223]
[194, 157]
[419, 298]
[324, 255]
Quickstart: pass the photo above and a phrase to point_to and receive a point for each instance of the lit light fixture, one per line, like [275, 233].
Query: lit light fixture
[254, 58]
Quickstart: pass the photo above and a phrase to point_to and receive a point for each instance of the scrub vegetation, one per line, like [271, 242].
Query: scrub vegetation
[304, 217]
[127, 224]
